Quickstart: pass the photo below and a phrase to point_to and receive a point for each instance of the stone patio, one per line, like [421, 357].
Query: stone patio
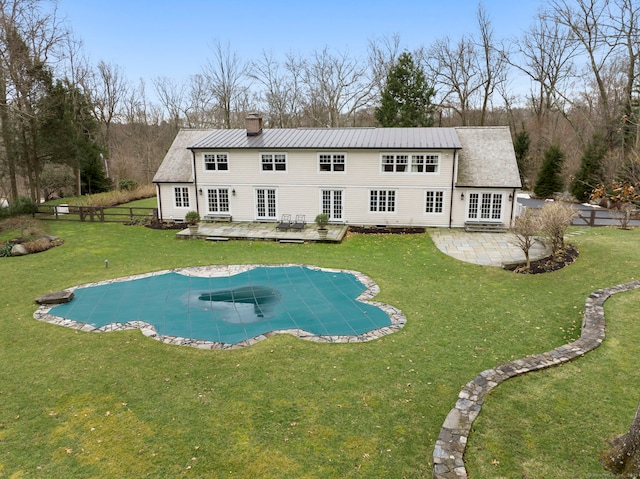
[222, 231]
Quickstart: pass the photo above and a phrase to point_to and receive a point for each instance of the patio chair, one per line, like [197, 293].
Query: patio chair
[299, 223]
[285, 223]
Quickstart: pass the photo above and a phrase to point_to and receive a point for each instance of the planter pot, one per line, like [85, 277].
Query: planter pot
[322, 232]
[193, 229]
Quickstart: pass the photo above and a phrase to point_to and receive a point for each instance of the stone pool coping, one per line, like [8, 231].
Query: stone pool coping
[448, 454]
[396, 316]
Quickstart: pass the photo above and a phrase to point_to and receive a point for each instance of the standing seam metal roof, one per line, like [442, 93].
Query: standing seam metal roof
[333, 138]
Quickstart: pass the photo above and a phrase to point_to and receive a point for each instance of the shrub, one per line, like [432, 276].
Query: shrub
[192, 218]
[322, 220]
[555, 218]
[524, 230]
[5, 249]
[37, 245]
[22, 206]
[27, 226]
[127, 185]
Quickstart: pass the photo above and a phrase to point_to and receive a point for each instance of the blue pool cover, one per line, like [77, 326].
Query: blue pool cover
[232, 308]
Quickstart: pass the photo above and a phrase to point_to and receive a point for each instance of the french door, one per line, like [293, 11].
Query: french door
[266, 204]
[332, 204]
[485, 206]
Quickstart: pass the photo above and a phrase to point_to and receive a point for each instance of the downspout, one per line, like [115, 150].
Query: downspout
[513, 205]
[195, 179]
[159, 195]
[453, 177]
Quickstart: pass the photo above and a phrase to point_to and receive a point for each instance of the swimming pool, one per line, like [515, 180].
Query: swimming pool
[226, 306]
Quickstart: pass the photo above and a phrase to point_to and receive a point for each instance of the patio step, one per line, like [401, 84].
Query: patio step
[216, 238]
[484, 227]
[296, 241]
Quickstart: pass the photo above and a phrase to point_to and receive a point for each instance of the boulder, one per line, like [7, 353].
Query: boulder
[18, 250]
[57, 297]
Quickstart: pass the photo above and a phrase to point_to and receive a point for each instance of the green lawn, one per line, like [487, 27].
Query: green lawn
[76, 404]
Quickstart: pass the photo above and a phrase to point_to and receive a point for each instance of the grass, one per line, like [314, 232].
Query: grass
[76, 404]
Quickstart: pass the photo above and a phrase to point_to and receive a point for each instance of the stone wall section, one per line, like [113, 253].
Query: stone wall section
[448, 454]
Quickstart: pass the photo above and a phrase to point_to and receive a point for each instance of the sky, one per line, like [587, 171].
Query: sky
[160, 38]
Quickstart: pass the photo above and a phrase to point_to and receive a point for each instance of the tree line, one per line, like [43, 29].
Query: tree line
[68, 126]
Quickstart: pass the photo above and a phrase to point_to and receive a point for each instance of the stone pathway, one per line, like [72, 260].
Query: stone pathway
[448, 454]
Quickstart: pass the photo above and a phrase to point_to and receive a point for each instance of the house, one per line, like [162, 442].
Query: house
[445, 177]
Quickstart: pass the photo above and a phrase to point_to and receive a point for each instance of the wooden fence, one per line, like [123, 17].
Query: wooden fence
[607, 217]
[102, 214]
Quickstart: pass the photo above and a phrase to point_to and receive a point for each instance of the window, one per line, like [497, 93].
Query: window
[216, 161]
[485, 206]
[181, 196]
[382, 200]
[218, 200]
[434, 202]
[274, 161]
[394, 163]
[332, 204]
[266, 203]
[331, 161]
[424, 163]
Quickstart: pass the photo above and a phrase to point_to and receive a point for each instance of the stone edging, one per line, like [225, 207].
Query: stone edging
[396, 316]
[448, 454]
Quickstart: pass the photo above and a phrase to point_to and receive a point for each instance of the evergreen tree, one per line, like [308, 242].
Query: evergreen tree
[521, 143]
[406, 98]
[68, 135]
[549, 180]
[590, 173]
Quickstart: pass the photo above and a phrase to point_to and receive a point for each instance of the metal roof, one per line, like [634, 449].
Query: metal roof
[332, 138]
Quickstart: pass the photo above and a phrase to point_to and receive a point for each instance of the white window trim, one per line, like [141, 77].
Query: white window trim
[410, 155]
[332, 170]
[342, 199]
[386, 211]
[175, 203]
[273, 154]
[444, 202]
[255, 200]
[204, 163]
[468, 194]
[218, 188]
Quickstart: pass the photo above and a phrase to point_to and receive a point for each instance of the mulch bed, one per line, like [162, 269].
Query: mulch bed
[161, 225]
[564, 257]
[385, 230]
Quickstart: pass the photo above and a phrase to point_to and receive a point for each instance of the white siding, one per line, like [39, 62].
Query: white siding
[167, 205]
[299, 188]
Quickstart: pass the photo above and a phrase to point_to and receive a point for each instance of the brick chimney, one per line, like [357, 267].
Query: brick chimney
[254, 124]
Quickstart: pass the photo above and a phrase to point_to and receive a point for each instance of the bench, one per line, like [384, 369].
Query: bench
[216, 218]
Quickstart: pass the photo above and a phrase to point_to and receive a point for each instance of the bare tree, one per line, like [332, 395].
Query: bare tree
[524, 232]
[493, 62]
[111, 89]
[226, 77]
[587, 22]
[30, 37]
[455, 68]
[281, 92]
[171, 95]
[623, 459]
[383, 54]
[337, 86]
[555, 218]
[546, 53]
